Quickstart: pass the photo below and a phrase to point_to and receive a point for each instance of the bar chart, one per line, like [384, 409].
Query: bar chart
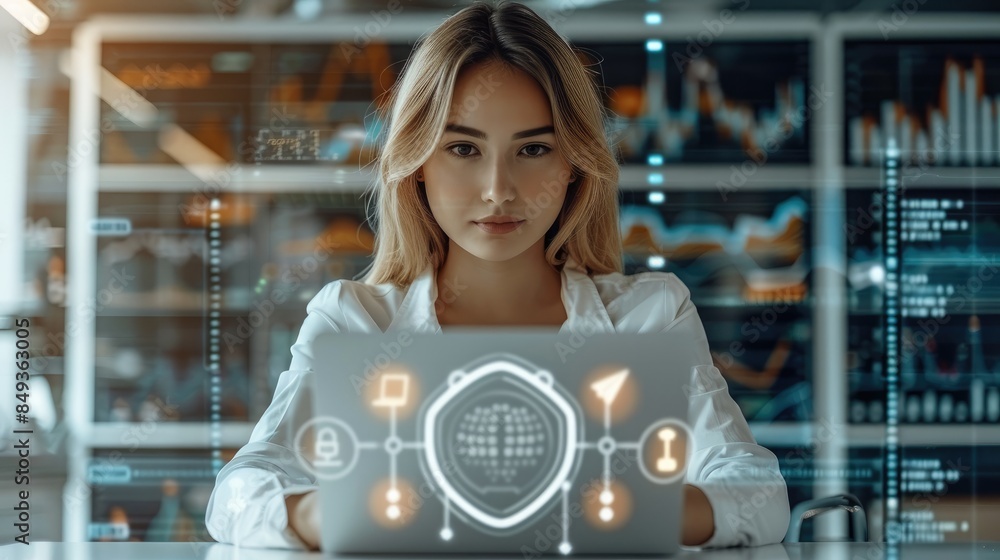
[940, 102]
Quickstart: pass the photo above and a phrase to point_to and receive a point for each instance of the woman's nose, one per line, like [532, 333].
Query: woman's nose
[499, 185]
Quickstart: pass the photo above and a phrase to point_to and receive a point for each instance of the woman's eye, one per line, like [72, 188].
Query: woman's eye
[545, 150]
[451, 150]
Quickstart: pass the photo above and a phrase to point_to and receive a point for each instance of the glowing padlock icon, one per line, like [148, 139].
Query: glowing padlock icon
[666, 463]
[327, 448]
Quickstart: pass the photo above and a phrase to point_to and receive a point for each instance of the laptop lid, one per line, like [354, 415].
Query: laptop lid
[519, 441]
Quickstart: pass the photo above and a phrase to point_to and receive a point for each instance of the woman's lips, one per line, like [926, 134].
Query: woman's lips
[495, 227]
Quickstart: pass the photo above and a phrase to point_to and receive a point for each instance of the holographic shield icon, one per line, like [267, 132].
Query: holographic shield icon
[500, 440]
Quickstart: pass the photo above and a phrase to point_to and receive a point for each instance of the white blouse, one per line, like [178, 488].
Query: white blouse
[740, 478]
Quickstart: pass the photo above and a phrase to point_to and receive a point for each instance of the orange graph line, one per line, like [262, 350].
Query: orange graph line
[752, 378]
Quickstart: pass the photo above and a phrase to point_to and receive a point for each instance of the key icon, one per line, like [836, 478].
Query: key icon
[666, 463]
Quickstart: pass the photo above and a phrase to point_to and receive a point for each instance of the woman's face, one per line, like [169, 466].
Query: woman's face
[498, 157]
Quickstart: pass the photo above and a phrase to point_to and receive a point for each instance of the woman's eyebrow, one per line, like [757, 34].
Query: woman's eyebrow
[482, 135]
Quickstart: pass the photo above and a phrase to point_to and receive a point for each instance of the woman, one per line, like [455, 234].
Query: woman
[497, 205]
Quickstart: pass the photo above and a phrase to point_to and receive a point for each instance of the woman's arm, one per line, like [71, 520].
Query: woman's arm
[249, 505]
[730, 479]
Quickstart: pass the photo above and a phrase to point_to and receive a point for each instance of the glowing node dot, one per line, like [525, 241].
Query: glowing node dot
[606, 514]
[392, 511]
[446, 534]
[607, 497]
[565, 548]
[392, 495]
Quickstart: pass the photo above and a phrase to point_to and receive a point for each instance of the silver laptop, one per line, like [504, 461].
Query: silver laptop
[503, 440]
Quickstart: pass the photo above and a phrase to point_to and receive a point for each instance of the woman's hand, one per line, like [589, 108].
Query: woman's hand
[303, 517]
[699, 523]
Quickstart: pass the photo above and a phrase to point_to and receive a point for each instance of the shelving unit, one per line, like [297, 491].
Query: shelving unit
[827, 178]
[110, 435]
[250, 179]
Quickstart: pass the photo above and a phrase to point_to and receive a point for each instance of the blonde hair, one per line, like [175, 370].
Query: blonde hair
[515, 37]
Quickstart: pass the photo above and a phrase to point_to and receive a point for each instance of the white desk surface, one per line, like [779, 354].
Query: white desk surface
[215, 551]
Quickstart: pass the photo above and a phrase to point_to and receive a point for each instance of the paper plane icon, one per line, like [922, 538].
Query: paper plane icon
[607, 388]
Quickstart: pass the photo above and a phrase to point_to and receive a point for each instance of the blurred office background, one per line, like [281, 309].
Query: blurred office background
[824, 176]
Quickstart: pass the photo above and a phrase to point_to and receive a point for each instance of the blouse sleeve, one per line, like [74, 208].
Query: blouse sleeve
[741, 479]
[247, 505]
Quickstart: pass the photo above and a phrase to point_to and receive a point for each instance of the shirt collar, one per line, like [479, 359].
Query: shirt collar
[579, 294]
